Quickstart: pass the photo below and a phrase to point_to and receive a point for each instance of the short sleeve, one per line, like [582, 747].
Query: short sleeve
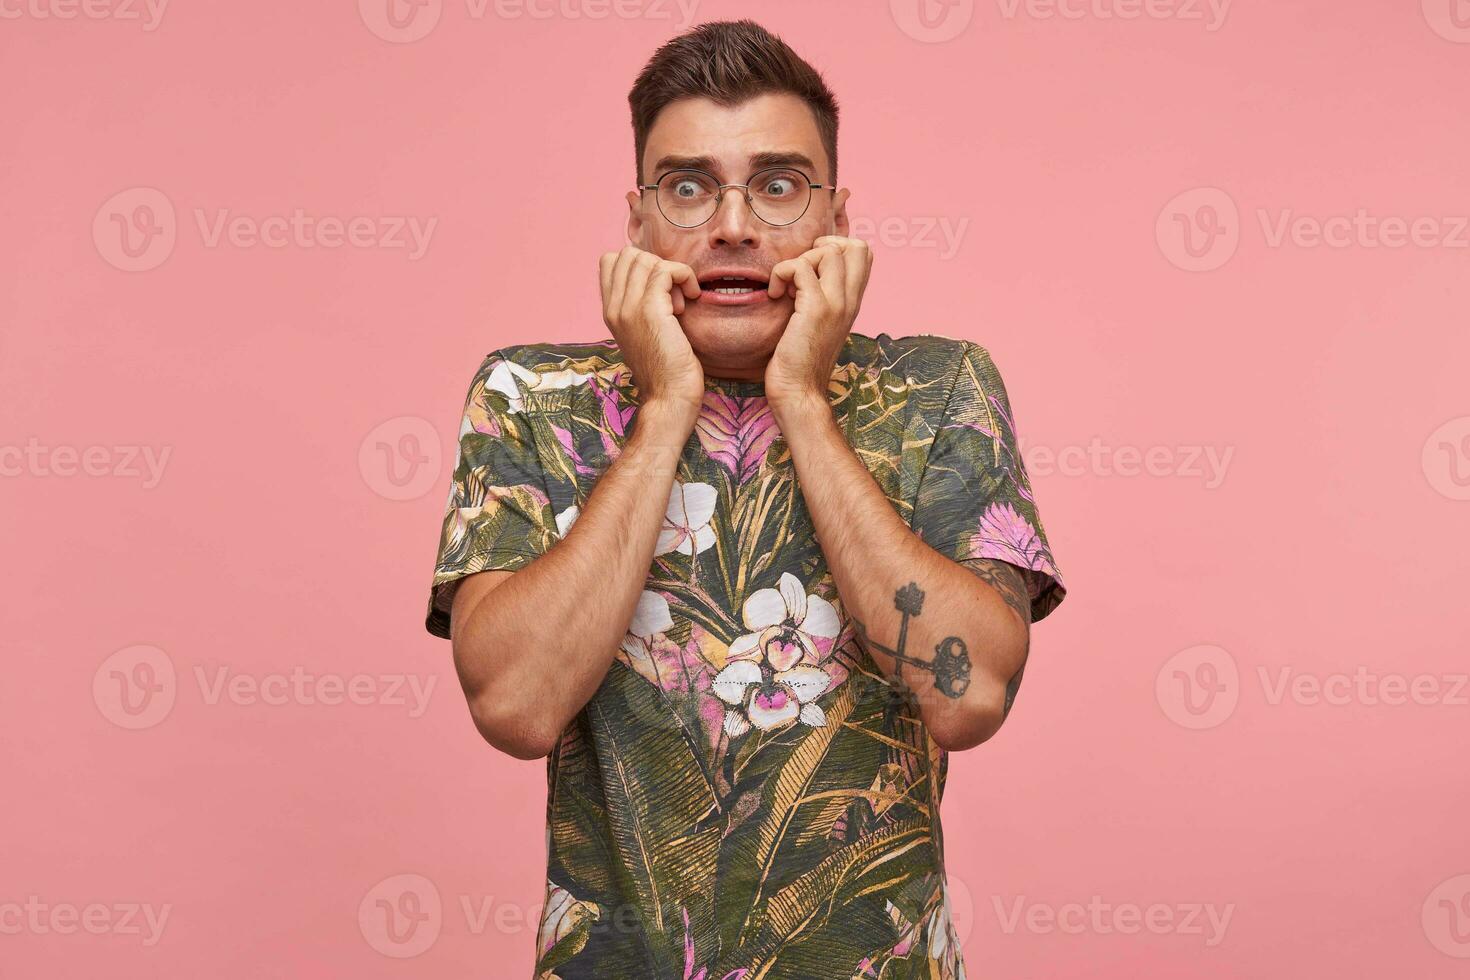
[974, 499]
[498, 515]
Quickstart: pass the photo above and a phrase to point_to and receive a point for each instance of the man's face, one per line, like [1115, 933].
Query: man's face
[734, 334]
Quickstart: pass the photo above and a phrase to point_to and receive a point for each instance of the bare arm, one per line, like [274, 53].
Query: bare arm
[907, 598]
[531, 647]
[954, 638]
[532, 653]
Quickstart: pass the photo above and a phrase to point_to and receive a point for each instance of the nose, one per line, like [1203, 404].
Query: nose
[733, 223]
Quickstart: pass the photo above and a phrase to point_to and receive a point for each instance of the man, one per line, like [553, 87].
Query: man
[743, 575]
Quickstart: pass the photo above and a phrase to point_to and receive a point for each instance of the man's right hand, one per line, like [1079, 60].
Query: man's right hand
[642, 295]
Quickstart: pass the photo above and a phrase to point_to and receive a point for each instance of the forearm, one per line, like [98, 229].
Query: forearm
[534, 650]
[878, 563]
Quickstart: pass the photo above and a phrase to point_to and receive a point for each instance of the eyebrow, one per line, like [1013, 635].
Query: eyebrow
[758, 161]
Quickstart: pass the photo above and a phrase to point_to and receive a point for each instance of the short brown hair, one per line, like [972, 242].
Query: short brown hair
[728, 62]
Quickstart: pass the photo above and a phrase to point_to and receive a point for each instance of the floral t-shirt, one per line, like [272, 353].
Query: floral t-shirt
[743, 797]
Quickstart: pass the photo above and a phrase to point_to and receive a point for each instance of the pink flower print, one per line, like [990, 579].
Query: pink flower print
[1008, 536]
[736, 432]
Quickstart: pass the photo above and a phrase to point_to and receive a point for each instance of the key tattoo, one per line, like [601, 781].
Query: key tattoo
[951, 663]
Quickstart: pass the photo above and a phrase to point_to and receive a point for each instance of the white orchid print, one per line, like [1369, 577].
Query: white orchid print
[566, 519]
[643, 644]
[503, 379]
[664, 663]
[686, 527]
[773, 677]
[944, 943]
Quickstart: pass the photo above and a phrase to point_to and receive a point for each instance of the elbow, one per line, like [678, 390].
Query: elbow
[967, 729]
[504, 719]
[517, 733]
[985, 707]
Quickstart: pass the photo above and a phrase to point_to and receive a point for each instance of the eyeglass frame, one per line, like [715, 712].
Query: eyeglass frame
[720, 194]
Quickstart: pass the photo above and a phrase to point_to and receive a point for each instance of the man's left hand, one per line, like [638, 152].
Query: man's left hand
[828, 281]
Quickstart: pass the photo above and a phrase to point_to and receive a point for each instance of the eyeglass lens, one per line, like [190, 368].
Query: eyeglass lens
[690, 197]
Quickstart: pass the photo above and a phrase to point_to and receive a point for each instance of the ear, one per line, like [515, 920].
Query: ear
[635, 219]
[840, 224]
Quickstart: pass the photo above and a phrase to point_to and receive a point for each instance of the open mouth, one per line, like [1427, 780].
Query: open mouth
[732, 285]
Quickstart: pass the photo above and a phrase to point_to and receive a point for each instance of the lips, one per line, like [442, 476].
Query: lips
[733, 287]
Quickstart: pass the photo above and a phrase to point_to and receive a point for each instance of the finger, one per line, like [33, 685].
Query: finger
[683, 276]
[638, 275]
[805, 276]
[859, 259]
[604, 277]
[833, 241]
[619, 288]
[664, 280]
[786, 272]
[782, 273]
[832, 274]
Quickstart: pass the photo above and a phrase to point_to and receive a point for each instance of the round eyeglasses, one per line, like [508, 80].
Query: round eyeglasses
[778, 196]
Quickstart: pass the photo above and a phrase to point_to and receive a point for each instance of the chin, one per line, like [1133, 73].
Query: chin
[730, 333]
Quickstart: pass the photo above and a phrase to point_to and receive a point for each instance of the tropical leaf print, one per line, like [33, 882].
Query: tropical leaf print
[736, 432]
[746, 796]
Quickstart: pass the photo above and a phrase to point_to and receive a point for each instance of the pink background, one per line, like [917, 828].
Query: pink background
[1147, 762]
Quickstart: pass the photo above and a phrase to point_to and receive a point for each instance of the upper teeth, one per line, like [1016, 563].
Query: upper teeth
[733, 290]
